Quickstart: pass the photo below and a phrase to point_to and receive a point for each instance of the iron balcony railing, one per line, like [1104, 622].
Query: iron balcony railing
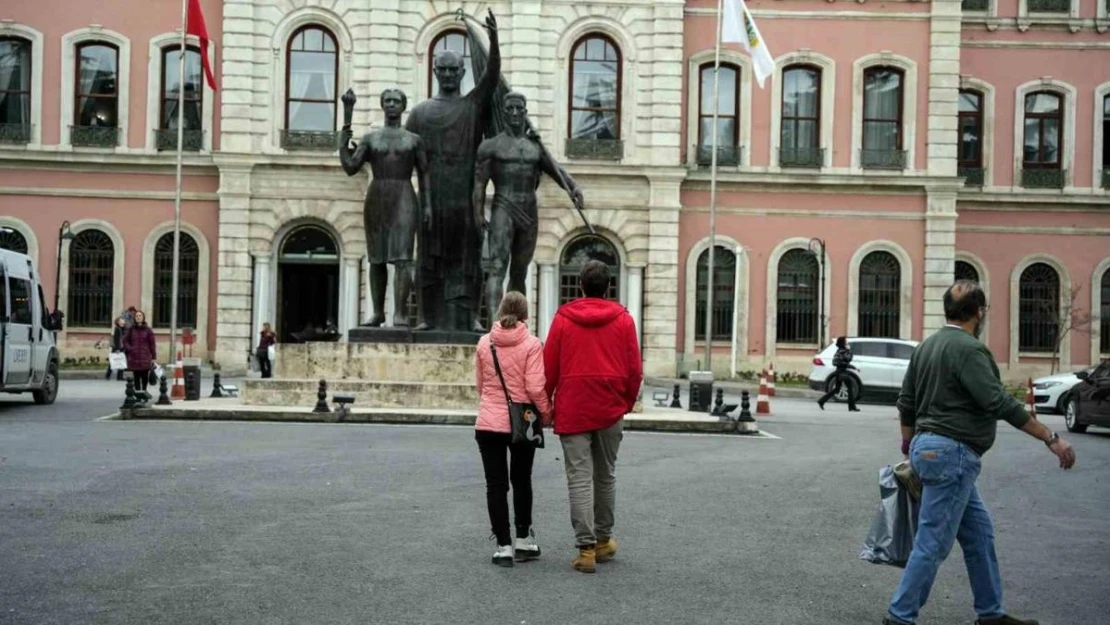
[801, 157]
[973, 176]
[192, 139]
[595, 149]
[726, 154]
[323, 140]
[1043, 178]
[94, 136]
[1049, 6]
[15, 133]
[883, 159]
[1106, 178]
[976, 5]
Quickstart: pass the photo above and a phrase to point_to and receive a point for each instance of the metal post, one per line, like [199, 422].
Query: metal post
[817, 248]
[177, 190]
[713, 194]
[62, 236]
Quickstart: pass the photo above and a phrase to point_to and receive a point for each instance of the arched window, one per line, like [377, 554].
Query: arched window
[882, 118]
[187, 282]
[880, 295]
[800, 136]
[92, 260]
[15, 90]
[312, 72]
[595, 87]
[724, 293]
[96, 113]
[797, 297]
[728, 116]
[966, 271]
[577, 253]
[171, 86]
[1043, 144]
[970, 125]
[1106, 145]
[13, 240]
[456, 41]
[1038, 308]
[1104, 314]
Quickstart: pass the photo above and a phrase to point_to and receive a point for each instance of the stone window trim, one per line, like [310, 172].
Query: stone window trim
[905, 306]
[772, 304]
[828, 102]
[740, 300]
[157, 45]
[1096, 307]
[986, 90]
[24, 229]
[70, 41]
[204, 267]
[909, 108]
[1073, 11]
[744, 110]
[1067, 159]
[1015, 305]
[1101, 93]
[279, 43]
[21, 31]
[118, 267]
[985, 282]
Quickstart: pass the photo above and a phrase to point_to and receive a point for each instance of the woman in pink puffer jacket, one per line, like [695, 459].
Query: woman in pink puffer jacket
[521, 357]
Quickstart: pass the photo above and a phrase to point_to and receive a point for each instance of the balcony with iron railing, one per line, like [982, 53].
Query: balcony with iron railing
[883, 159]
[192, 139]
[727, 155]
[591, 149]
[973, 176]
[1049, 6]
[802, 157]
[94, 136]
[1043, 178]
[1106, 178]
[16, 134]
[976, 5]
[315, 140]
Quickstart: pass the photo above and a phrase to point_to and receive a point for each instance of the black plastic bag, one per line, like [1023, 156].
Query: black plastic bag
[890, 540]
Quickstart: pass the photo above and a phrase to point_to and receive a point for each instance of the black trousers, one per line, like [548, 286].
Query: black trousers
[842, 378]
[264, 364]
[499, 474]
[141, 378]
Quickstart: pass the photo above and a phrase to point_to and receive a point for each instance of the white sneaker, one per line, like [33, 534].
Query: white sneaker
[503, 556]
[526, 548]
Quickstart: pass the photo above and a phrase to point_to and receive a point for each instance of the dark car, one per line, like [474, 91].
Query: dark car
[1088, 402]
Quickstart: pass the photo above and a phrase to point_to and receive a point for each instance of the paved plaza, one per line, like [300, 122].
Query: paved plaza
[148, 522]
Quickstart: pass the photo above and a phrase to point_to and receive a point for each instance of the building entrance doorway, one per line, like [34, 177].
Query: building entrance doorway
[308, 282]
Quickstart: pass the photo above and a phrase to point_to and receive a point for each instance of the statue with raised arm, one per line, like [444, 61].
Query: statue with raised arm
[392, 210]
[452, 126]
[514, 160]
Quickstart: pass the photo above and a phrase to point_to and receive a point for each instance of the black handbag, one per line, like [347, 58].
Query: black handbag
[524, 419]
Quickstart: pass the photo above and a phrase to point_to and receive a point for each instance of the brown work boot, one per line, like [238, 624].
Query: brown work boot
[586, 560]
[1005, 619]
[606, 549]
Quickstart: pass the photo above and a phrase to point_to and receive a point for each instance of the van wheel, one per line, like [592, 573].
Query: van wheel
[1071, 416]
[49, 391]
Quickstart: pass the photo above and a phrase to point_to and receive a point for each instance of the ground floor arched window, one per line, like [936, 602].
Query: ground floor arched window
[576, 254]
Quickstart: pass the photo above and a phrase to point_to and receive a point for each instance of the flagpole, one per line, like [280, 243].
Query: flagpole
[713, 193]
[177, 187]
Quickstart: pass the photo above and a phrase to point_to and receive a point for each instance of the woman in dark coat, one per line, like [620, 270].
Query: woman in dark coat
[117, 345]
[843, 362]
[141, 350]
[266, 338]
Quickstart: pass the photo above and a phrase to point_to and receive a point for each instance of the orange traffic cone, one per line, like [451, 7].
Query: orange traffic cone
[763, 403]
[1030, 403]
[771, 381]
[178, 390]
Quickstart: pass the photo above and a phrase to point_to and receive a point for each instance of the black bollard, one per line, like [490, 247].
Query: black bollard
[695, 398]
[129, 392]
[745, 408]
[163, 397]
[217, 388]
[322, 398]
[719, 404]
[675, 403]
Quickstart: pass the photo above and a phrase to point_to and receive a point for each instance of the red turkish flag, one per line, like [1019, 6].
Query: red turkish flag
[194, 25]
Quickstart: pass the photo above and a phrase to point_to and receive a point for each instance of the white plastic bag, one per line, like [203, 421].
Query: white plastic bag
[117, 361]
[158, 371]
[271, 351]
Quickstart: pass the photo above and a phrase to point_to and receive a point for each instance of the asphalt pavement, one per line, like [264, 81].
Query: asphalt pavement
[127, 522]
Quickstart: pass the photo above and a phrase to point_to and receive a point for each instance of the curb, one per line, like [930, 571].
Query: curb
[737, 387]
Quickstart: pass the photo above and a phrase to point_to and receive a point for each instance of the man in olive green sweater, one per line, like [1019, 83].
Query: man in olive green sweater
[951, 400]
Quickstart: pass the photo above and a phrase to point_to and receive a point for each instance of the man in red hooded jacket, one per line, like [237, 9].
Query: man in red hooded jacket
[593, 367]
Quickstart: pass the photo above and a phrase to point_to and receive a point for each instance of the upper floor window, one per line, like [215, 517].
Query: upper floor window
[595, 85]
[971, 136]
[312, 72]
[800, 140]
[882, 117]
[15, 90]
[1106, 142]
[1043, 140]
[1104, 313]
[728, 115]
[97, 85]
[1049, 6]
[171, 89]
[455, 41]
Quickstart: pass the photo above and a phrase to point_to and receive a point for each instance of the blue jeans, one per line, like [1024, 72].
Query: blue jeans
[951, 510]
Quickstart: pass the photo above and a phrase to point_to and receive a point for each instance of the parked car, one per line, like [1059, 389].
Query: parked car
[1050, 392]
[1088, 402]
[882, 364]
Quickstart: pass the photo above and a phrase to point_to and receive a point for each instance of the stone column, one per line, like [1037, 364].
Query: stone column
[940, 256]
[234, 287]
[660, 320]
[262, 304]
[348, 299]
[667, 61]
[636, 297]
[548, 299]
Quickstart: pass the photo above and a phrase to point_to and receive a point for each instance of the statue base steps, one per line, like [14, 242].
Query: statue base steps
[367, 393]
[375, 362]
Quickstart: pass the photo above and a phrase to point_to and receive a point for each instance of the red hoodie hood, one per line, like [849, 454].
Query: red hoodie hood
[592, 312]
[507, 337]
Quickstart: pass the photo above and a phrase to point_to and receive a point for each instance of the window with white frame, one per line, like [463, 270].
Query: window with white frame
[1042, 151]
[311, 75]
[171, 85]
[96, 106]
[728, 114]
[800, 121]
[15, 90]
[970, 128]
[883, 102]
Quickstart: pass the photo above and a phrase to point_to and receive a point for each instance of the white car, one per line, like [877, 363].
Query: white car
[881, 365]
[1049, 392]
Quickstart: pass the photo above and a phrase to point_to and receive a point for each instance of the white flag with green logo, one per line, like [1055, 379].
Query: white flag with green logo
[739, 27]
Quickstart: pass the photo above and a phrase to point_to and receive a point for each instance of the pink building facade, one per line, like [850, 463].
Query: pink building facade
[915, 141]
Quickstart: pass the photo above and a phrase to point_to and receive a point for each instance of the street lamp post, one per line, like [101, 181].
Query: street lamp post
[817, 248]
[64, 234]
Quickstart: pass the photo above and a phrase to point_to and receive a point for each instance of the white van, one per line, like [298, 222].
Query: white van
[28, 354]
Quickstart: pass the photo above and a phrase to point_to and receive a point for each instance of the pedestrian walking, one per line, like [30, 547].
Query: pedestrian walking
[266, 340]
[842, 360]
[952, 398]
[511, 348]
[117, 346]
[141, 350]
[593, 367]
[129, 317]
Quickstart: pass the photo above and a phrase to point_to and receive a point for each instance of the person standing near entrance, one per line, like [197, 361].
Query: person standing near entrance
[266, 340]
[117, 346]
[593, 368]
[141, 350]
[843, 362]
[951, 401]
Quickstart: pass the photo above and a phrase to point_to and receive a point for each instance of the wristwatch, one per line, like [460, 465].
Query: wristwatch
[1052, 439]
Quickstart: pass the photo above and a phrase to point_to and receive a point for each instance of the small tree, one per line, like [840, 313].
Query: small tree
[1069, 318]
